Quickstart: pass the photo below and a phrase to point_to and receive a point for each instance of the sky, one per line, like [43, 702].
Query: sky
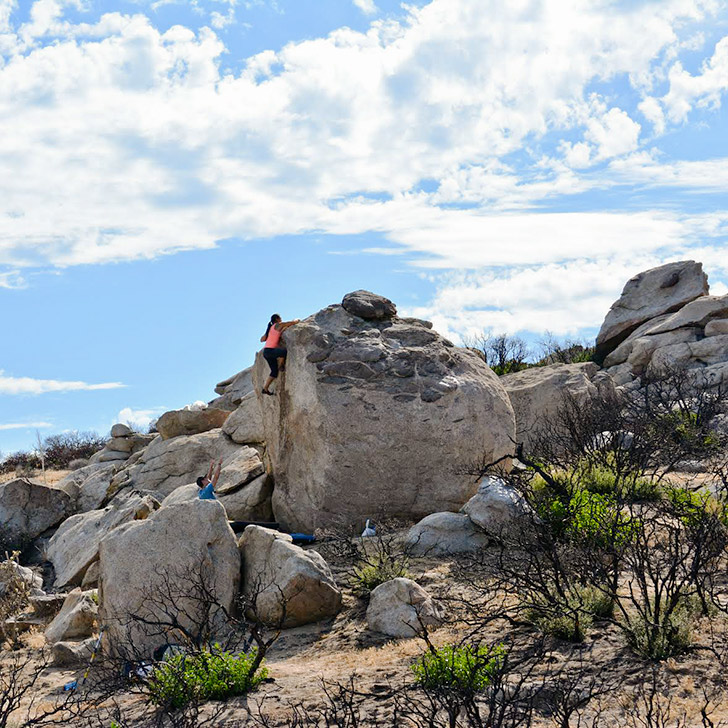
[172, 172]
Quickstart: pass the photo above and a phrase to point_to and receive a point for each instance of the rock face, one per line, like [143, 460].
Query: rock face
[233, 389]
[692, 334]
[245, 424]
[175, 547]
[77, 618]
[369, 306]
[400, 607]
[376, 415]
[498, 509]
[27, 508]
[249, 503]
[293, 586]
[440, 534]
[538, 392]
[168, 464]
[649, 294]
[190, 422]
[75, 545]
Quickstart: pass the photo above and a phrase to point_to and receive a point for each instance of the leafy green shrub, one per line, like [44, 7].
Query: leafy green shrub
[691, 506]
[371, 571]
[465, 668]
[604, 480]
[670, 635]
[207, 675]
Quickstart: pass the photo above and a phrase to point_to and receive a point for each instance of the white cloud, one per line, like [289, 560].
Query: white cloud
[138, 419]
[130, 143]
[686, 92]
[28, 385]
[12, 279]
[366, 6]
[25, 425]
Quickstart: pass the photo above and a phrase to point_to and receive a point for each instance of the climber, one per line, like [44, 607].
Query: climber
[207, 483]
[273, 352]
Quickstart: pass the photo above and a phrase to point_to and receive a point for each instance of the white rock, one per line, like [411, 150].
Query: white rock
[498, 509]
[75, 545]
[446, 533]
[400, 608]
[176, 544]
[77, 618]
[712, 350]
[245, 424]
[293, 586]
[697, 313]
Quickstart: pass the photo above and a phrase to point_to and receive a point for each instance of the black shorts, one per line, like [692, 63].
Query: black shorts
[272, 356]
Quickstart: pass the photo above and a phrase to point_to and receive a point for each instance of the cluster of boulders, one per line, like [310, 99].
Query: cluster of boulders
[377, 415]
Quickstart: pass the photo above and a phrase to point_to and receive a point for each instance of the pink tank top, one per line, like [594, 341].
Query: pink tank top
[274, 338]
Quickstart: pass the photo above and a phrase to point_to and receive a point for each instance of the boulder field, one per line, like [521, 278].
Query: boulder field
[376, 416]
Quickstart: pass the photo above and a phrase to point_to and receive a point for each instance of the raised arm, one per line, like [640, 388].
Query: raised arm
[216, 477]
[209, 470]
[287, 324]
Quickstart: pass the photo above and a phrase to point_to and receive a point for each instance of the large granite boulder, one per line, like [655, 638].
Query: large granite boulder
[168, 464]
[245, 424]
[290, 586]
[72, 653]
[75, 545]
[88, 486]
[649, 294]
[377, 416]
[148, 566]
[27, 508]
[124, 442]
[441, 534]
[538, 393]
[402, 608]
[77, 618]
[190, 422]
[249, 503]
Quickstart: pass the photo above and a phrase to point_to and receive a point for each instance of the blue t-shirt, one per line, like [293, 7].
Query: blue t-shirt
[208, 492]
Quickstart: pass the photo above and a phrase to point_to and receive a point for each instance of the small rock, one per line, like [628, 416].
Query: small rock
[400, 608]
[445, 533]
[498, 509]
[72, 653]
[369, 305]
[77, 618]
[120, 430]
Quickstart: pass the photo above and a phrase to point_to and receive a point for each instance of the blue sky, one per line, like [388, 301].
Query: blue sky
[174, 172]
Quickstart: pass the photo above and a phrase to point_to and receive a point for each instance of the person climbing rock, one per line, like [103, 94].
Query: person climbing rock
[207, 483]
[273, 352]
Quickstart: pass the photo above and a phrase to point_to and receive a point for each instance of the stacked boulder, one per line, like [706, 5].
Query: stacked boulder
[493, 513]
[123, 444]
[666, 317]
[377, 414]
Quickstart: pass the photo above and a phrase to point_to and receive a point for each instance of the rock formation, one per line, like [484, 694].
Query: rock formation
[145, 565]
[190, 421]
[377, 414]
[123, 444]
[27, 508]
[291, 586]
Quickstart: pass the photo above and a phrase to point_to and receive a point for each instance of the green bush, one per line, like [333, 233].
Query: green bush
[692, 506]
[603, 480]
[207, 675]
[374, 570]
[465, 668]
[670, 635]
